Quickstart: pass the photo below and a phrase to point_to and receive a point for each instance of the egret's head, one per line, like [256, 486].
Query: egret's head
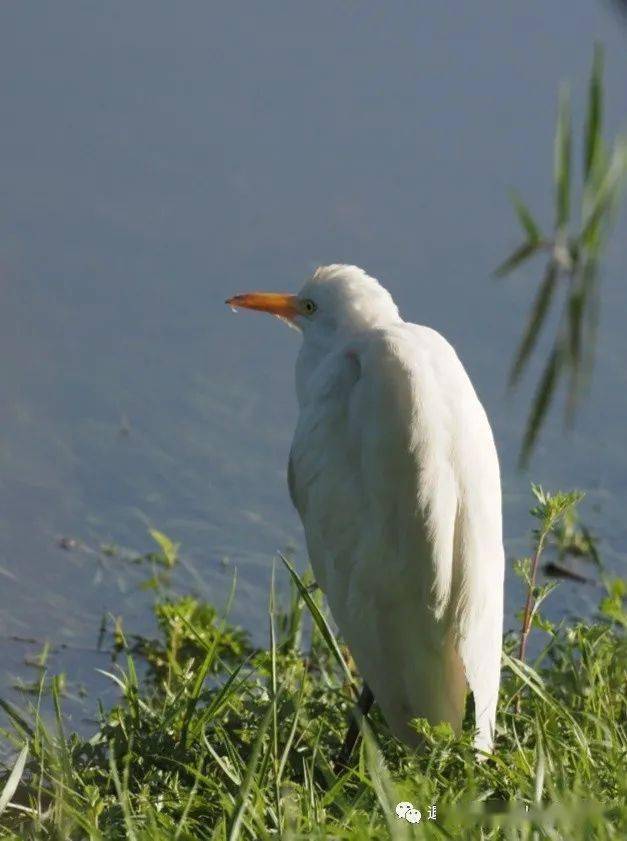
[336, 299]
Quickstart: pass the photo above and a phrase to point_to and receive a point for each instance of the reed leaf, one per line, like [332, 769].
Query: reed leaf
[536, 320]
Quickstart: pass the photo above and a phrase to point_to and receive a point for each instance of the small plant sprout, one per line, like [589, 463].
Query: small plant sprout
[169, 554]
[573, 252]
[550, 511]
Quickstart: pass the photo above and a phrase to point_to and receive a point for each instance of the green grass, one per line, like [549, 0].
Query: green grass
[222, 740]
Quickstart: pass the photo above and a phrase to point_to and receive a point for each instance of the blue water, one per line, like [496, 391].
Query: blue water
[157, 157]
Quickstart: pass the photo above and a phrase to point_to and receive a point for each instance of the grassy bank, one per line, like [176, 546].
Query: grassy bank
[221, 740]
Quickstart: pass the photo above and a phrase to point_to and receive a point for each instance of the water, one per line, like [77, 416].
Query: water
[155, 159]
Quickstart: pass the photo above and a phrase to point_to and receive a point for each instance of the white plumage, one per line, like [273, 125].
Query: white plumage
[395, 475]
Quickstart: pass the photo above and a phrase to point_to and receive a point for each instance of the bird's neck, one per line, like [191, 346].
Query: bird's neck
[319, 362]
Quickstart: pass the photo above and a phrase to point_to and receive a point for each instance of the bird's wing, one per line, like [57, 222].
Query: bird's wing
[394, 473]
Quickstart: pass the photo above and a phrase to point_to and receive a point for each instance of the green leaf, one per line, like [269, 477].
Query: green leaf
[594, 117]
[563, 145]
[541, 622]
[575, 312]
[64, 752]
[522, 568]
[194, 695]
[607, 191]
[321, 622]
[383, 785]
[525, 218]
[122, 794]
[541, 402]
[576, 302]
[18, 720]
[552, 508]
[169, 549]
[515, 259]
[154, 582]
[15, 776]
[249, 775]
[536, 320]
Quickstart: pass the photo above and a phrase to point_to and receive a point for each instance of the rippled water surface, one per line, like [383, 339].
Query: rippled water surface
[155, 158]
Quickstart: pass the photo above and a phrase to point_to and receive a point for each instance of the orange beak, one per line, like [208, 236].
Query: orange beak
[276, 303]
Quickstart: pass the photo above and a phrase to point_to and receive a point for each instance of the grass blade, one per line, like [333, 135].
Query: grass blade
[563, 144]
[169, 549]
[320, 621]
[18, 720]
[525, 218]
[515, 259]
[541, 402]
[223, 693]
[383, 785]
[64, 752]
[594, 116]
[249, 776]
[122, 795]
[292, 733]
[14, 778]
[576, 304]
[607, 191]
[192, 794]
[203, 671]
[539, 311]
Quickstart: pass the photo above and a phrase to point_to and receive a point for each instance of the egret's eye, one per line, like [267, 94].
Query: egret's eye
[308, 306]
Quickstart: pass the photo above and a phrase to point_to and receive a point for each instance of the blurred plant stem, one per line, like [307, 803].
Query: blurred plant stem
[571, 257]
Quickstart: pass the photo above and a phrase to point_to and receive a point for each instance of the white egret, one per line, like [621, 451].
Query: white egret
[394, 472]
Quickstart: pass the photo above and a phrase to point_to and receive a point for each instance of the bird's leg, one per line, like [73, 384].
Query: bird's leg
[366, 699]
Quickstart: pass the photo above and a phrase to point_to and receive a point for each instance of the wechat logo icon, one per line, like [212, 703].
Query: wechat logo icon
[406, 810]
